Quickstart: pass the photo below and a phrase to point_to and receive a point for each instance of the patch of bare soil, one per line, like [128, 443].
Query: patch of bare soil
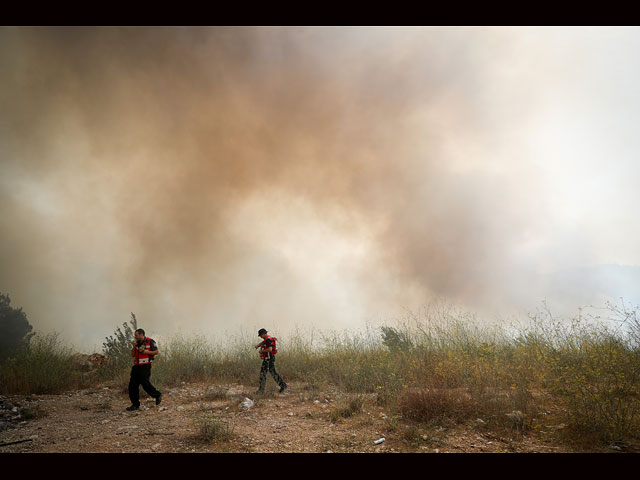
[299, 420]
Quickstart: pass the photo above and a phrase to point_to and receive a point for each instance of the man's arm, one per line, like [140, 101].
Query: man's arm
[267, 346]
[153, 350]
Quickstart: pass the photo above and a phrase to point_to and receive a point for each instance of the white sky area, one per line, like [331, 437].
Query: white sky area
[555, 119]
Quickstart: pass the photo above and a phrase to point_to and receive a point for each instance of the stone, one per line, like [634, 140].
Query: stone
[246, 404]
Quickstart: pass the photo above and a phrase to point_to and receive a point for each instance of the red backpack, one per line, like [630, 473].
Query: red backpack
[274, 348]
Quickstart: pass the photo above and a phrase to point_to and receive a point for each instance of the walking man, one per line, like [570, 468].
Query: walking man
[143, 351]
[268, 350]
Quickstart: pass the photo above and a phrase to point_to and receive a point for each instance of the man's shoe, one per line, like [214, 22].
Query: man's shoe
[282, 388]
[158, 399]
[132, 408]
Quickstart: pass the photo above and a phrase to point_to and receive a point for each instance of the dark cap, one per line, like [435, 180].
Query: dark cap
[261, 331]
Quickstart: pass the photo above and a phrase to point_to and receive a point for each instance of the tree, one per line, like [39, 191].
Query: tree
[118, 346]
[15, 330]
[396, 340]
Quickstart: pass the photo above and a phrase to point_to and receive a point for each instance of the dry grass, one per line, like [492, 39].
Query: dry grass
[352, 407]
[212, 429]
[445, 366]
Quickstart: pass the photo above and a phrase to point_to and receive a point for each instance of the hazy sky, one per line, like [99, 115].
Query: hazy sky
[213, 179]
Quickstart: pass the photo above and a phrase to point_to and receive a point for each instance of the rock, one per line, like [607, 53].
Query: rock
[316, 402]
[180, 408]
[89, 362]
[246, 404]
[156, 446]
[104, 422]
[379, 441]
[291, 414]
[614, 447]
[480, 421]
[14, 409]
[162, 409]
[437, 450]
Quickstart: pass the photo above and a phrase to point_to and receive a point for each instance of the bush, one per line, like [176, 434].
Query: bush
[211, 429]
[117, 347]
[46, 366]
[426, 405]
[353, 407]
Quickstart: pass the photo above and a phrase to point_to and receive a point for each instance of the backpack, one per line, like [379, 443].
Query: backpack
[274, 348]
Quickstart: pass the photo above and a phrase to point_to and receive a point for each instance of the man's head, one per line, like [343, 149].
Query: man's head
[139, 334]
[262, 333]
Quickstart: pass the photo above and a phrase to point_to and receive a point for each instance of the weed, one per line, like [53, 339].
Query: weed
[212, 429]
[31, 413]
[353, 407]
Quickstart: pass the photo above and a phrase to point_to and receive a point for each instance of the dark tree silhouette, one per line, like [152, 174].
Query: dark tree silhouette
[15, 330]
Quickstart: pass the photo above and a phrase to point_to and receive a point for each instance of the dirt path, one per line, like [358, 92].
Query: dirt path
[300, 420]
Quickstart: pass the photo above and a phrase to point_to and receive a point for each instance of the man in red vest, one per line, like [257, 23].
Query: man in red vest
[143, 351]
[268, 350]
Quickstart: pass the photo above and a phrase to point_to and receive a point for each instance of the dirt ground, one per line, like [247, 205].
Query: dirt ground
[299, 420]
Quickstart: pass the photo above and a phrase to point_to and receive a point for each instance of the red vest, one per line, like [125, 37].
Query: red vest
[141, 359]
[274, 349]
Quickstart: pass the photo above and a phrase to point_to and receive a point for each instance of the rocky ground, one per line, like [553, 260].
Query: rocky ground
[300, 420]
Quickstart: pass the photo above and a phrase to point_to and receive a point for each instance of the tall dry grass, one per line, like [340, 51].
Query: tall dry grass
[443, 364]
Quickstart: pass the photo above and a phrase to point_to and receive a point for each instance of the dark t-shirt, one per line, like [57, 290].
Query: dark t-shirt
[152, 344]
[268, 343]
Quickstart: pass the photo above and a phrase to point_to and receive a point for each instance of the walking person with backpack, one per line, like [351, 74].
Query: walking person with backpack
[268, 349]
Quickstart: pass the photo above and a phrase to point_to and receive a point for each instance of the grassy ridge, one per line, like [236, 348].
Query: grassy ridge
[584, 373]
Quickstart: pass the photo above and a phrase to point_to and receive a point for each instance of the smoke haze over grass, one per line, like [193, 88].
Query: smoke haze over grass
[224, 178]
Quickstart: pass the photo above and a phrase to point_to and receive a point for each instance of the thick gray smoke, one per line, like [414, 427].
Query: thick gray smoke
[211, 179]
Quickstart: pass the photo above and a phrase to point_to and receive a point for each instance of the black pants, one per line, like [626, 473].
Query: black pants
[268, 365]
[140, 375]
